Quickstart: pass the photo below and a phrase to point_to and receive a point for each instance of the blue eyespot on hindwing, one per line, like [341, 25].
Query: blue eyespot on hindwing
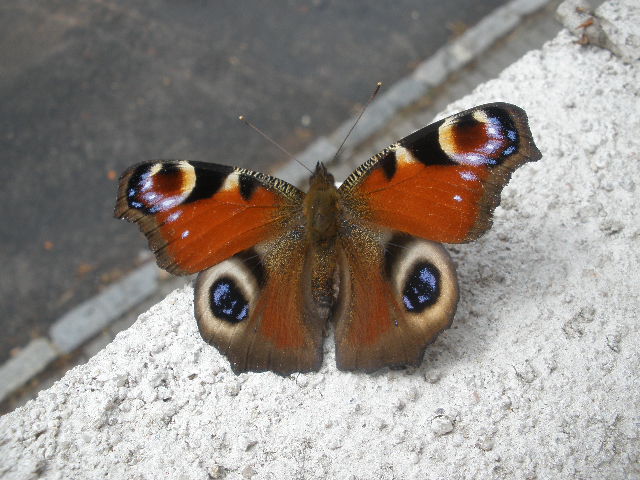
[422, 288]
[227, 301]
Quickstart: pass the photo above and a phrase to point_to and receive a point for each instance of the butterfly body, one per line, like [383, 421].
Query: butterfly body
[276, 264]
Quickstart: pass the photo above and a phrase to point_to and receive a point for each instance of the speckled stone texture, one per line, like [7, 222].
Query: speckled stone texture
[537, 378]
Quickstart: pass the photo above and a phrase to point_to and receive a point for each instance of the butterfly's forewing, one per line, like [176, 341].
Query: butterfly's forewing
[443, 182]
[197, 214]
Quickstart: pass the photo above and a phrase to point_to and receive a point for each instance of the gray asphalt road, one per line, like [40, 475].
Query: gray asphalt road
[90, 87]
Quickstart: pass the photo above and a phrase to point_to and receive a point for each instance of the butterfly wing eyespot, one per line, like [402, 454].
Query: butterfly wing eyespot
[444, 181]
[421, 287]
[424, 281]
[197, 214]
[389, 315]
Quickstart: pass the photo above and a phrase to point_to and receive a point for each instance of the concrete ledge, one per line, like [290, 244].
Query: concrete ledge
[538, 378]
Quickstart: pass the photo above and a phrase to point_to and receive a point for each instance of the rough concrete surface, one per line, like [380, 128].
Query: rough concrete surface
[537, 378]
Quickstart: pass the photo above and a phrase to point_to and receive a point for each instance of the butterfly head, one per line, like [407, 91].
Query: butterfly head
[321, 178]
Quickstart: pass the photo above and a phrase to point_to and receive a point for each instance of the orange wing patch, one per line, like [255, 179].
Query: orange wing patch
[441, 203]
[280, 314]
[366, 330]
[195, 233]
[443, 182]
[198, 214]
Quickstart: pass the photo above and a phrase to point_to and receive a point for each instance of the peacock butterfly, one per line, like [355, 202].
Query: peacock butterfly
[276, 264]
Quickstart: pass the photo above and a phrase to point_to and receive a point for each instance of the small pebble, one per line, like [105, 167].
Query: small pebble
[432, 376]
[486, 444]
[413, 394]
[248, 472]
[505, 403]
[216, 472]
[399, 405]
[334, 443]
[441, 425]
[233, 389]
[247, 444]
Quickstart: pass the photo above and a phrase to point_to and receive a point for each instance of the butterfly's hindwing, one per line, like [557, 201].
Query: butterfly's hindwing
[394, 301]
[257, 309]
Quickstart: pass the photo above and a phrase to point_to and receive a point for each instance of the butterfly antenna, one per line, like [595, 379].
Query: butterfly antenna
[373, 95]
[243, 119]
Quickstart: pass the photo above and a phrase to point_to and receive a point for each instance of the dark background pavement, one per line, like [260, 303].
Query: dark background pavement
[90, 87]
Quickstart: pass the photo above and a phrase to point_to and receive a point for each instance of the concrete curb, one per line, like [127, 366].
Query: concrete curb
[29, 362]
[87, 320]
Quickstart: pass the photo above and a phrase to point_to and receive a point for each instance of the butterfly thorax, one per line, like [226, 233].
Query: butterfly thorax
[321, 208]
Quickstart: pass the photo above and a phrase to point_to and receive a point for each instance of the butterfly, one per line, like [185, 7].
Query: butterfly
[277, 265]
